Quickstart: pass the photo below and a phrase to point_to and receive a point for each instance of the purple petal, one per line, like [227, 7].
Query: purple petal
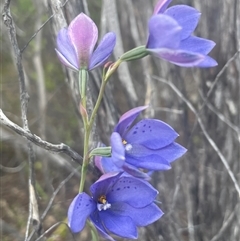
[106, 164]
[207, 62]
[187, 17]
[164, 32]
[83, 34]
[98, 224]
[135, 192]
[118, 150]
[168, 153]
[127, 119]
[151, 162]
[179, 57]
[103, 184]
[161, 6]
[103, 51]
[151, 133]
[64, 61]
[197, 45]
[140, 216]
[119, 225]
[65, 50]
[171, 152]
[133, 171]
[80, 208]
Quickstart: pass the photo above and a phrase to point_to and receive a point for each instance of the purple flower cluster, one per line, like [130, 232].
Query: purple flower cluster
[75, 44]
[122, 199]
[118, 205]
[170, 36]
[149, 145]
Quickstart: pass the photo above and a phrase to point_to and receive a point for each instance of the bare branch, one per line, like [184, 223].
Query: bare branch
[209, 139]
[38, 141]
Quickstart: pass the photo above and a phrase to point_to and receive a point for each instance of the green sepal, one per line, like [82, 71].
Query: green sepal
[102, 151]
[136, 53]
[83, 79]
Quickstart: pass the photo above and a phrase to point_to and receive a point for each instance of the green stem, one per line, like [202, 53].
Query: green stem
[98, 102]
[88, 123]
[94, 232]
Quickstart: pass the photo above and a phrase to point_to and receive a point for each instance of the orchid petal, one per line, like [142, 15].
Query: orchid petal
[106, 164]
[103, 184]
[207, 62]
[126, 188]
[161, 6]
[171, 152]
[103, 51]
[197, 45]
[81, 207]
[65, 50]
[140, 216]
[151, 133]
[151, 162]
[98, 224]
[135, 172]
[179, 57]
[118, 151]
[83, 34]
[127, 119]
[119, 225]
[187, 17]
[164, 32]
[64, 61]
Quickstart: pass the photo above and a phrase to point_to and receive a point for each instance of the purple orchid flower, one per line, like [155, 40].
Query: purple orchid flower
[75, 44]
[149, 144]
[170, 36]
[118, 205]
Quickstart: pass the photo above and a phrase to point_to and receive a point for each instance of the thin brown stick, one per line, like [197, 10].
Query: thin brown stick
[38, 141]
[209, 139]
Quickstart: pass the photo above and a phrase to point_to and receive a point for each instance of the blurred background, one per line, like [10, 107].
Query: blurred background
[197, 195]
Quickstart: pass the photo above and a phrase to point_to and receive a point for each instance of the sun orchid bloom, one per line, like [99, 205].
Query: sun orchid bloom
[149, 145]
[75, 44]
[170, 36]
[118, 205]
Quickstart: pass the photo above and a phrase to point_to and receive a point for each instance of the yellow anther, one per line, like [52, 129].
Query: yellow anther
[124, 142]
[102, 199]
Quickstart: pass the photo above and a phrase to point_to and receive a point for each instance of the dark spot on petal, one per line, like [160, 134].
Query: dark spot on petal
[135, 132]
[143, 131]
[118, 189]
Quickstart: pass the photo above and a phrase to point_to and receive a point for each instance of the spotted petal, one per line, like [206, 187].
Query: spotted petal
[151, 133]
[126, 188]
[103, 184]
[127, 119]
[81, 207]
